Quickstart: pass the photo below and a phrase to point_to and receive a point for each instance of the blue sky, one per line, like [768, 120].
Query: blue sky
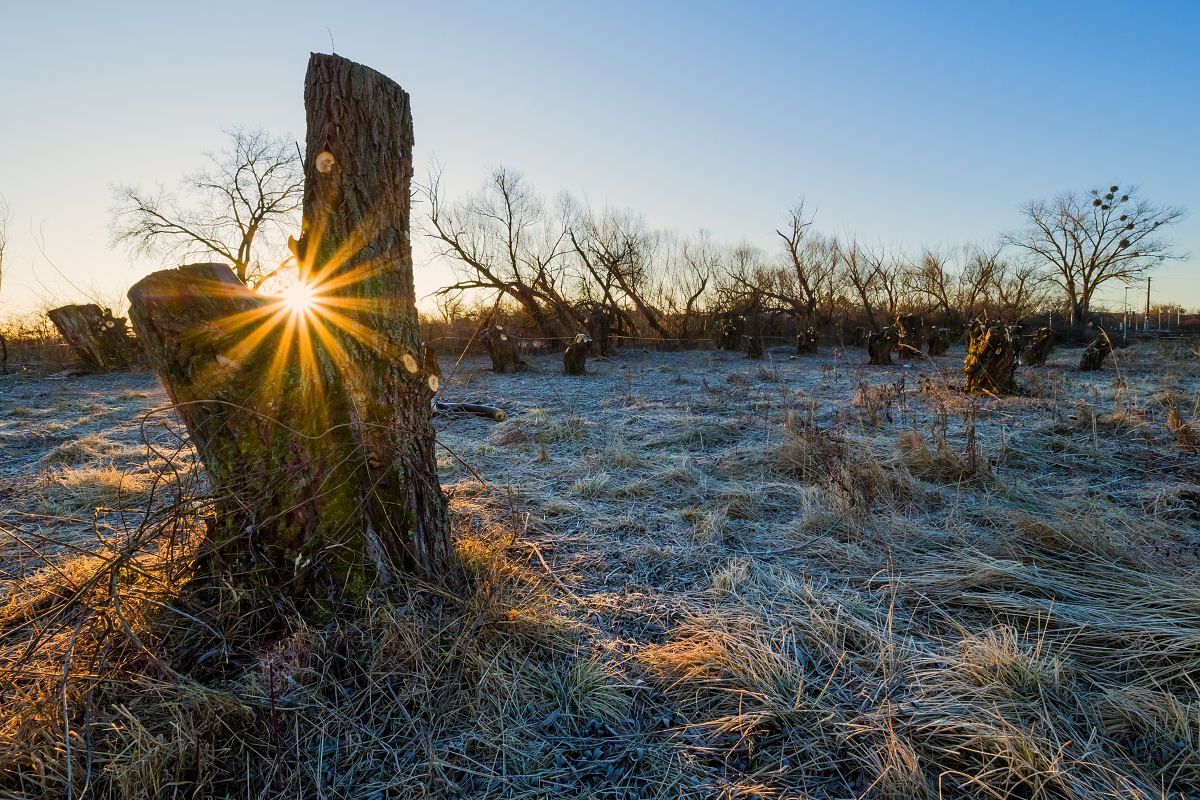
[911, 123]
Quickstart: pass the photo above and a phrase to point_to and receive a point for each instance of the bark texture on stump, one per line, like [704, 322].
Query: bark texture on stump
[806, 342]
[504, 349]
[316, 427]
[101, 340]
[729, 332]
[1094, 354]
[754, 348]
[939, 341]
[911, 328]
[991, 363]
[1040, 346]
[600, 323]
[880, 346]
[576, 355]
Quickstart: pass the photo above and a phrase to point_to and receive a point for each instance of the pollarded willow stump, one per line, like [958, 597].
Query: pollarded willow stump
[729, 332]
[504, 349]
[576, 355]
[314, 421]
[1040, 346]
[939, 341]
[754, 347]
[1094, 354]
[860, 337]
[101, 340]
[600, 323]
[806, 342]
[3, 355]
[911, 328]
[880, 346]
[991, 363]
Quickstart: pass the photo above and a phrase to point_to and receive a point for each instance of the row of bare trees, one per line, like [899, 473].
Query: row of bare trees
[556, 262]
[560, 265]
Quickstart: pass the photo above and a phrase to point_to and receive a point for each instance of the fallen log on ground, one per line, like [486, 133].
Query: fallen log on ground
[101, 340]
[490, 412]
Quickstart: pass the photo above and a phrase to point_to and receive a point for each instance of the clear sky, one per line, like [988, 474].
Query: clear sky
[912, 123]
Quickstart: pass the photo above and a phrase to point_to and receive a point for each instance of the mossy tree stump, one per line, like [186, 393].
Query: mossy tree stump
[1040, 346]
[880, 346]
[101, 340]
[1094, 354]
[314, 421]
[991, 363]
[575, 356]
[504, 349]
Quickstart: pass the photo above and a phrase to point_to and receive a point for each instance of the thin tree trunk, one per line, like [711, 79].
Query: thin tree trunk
[314, 424]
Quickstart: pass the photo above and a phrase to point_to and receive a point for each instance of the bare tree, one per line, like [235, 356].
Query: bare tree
[1086, 240]
[502, 238]
[239, 207]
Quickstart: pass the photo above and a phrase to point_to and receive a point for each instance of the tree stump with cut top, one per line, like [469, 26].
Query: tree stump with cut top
[880, 346]
[576, 355]
[313, 419]
[991, 363]
[101, 340]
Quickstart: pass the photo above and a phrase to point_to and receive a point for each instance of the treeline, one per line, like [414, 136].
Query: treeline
[551, 270]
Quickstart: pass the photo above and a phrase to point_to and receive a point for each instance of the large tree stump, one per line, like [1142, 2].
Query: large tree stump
[806, 342]
[313, 420]
[754, 347]
[991, 363]
[576, 355]
[939, 341]
[504, 349]
[1040, 346]
[912, 329]
[1094, 354]
[880, 346]
[600, 323]
[101, 340]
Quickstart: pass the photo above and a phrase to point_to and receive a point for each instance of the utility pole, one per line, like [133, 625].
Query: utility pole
[1146, 325]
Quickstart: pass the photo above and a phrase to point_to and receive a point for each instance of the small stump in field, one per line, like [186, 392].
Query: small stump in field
[576, 355]
[1094, 354]
[754, 348]
[729, 334]
[806, 342]
[600, 324]
[939, 341]
[860, 337]
[101, 341]
[880, 346]
[911, 328]
[991, 363]
[504, 349]
[1040, 346]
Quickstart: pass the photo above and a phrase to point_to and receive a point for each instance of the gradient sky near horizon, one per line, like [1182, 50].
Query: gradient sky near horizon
[917, 123]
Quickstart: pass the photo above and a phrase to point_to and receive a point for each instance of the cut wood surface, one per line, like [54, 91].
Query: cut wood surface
[101, 340]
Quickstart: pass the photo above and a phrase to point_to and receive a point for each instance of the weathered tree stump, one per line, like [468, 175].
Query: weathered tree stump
[806, 342]
[991, 363]
[1094, 354]
[576, 354]
[861, 335]
[3, 355]
[939, 341]
[101, 340]
[1040, 346]
[313, 421]
[729, 332]
[880, 346]
[504, 349]
[600, 323]
[754, 347]
[912, 329]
